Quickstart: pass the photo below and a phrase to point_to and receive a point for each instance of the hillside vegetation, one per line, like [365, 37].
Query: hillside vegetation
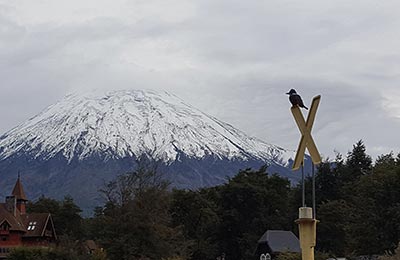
[358, 204]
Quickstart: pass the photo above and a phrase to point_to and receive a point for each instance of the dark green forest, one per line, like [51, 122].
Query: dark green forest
[358, 205]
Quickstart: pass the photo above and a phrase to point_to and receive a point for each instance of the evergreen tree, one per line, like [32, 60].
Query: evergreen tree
[250, 203]
[377, 205]
[358, 163]
[332, 234]
[326, 182]
[199, 218]
[68, 218]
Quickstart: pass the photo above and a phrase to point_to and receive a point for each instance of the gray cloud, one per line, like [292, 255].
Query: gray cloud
[232, 59]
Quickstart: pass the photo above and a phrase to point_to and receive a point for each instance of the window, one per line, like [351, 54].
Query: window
[5, 226]
[32, 225]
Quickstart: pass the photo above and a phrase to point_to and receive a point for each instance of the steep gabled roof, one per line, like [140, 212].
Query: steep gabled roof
[36, 224]
[281, 241]
[18, 190]
[15, 222]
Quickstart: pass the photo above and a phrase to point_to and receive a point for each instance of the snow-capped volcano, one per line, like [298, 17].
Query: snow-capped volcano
[131, 123]
[82, 142]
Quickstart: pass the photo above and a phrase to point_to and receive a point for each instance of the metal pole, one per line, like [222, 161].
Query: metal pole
[303, 185]
[313, 191]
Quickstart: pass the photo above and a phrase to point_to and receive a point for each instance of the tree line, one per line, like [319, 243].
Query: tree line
[358, 205]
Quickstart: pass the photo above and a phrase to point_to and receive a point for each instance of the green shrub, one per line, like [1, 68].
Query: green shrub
[288, 256]
[297, 256]
[24, 253]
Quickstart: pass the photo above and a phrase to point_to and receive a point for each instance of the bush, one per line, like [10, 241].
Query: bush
[99, 255]
[38, 254]
[24, 253]
[288, 256]
[297, 256]
[175, 258]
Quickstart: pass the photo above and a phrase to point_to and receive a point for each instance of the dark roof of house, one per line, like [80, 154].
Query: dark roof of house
[16, 223]
[281, 241]
[35, 224]
[18, 190]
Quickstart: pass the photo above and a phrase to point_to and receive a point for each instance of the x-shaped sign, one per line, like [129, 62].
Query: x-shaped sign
[306, 138]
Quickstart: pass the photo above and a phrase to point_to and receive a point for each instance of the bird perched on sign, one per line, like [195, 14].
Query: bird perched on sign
[295, 99]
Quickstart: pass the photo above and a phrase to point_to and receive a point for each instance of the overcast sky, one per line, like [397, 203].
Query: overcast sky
[232, 59]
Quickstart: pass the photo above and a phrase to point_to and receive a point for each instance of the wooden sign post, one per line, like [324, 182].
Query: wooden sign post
[306, 140]
[307, 216]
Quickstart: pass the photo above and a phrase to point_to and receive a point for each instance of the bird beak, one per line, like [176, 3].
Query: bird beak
[288, 93]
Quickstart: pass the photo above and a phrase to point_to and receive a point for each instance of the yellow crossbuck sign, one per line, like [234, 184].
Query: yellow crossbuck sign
[306, 138]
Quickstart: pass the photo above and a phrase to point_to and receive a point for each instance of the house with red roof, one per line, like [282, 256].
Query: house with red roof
[18, 228]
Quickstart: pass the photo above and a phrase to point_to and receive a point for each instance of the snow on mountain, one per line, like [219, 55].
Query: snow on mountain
[131, 123]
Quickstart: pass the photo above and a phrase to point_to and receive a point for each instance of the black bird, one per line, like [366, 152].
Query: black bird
[295, 99]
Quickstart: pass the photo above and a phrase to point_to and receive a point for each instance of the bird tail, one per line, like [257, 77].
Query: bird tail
[305, 107]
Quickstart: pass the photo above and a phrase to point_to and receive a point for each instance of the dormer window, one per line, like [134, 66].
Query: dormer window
[5, 226]
[32, 225]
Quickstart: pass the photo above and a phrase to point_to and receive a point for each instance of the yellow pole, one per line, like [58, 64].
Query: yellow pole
[307, 231]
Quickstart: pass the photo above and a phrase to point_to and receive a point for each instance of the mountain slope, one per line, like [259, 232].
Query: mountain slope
[130, 123]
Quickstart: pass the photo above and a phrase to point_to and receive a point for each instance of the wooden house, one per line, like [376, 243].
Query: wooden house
[18, 228]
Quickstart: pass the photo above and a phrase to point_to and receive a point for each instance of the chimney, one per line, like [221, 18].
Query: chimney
[11, 205]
